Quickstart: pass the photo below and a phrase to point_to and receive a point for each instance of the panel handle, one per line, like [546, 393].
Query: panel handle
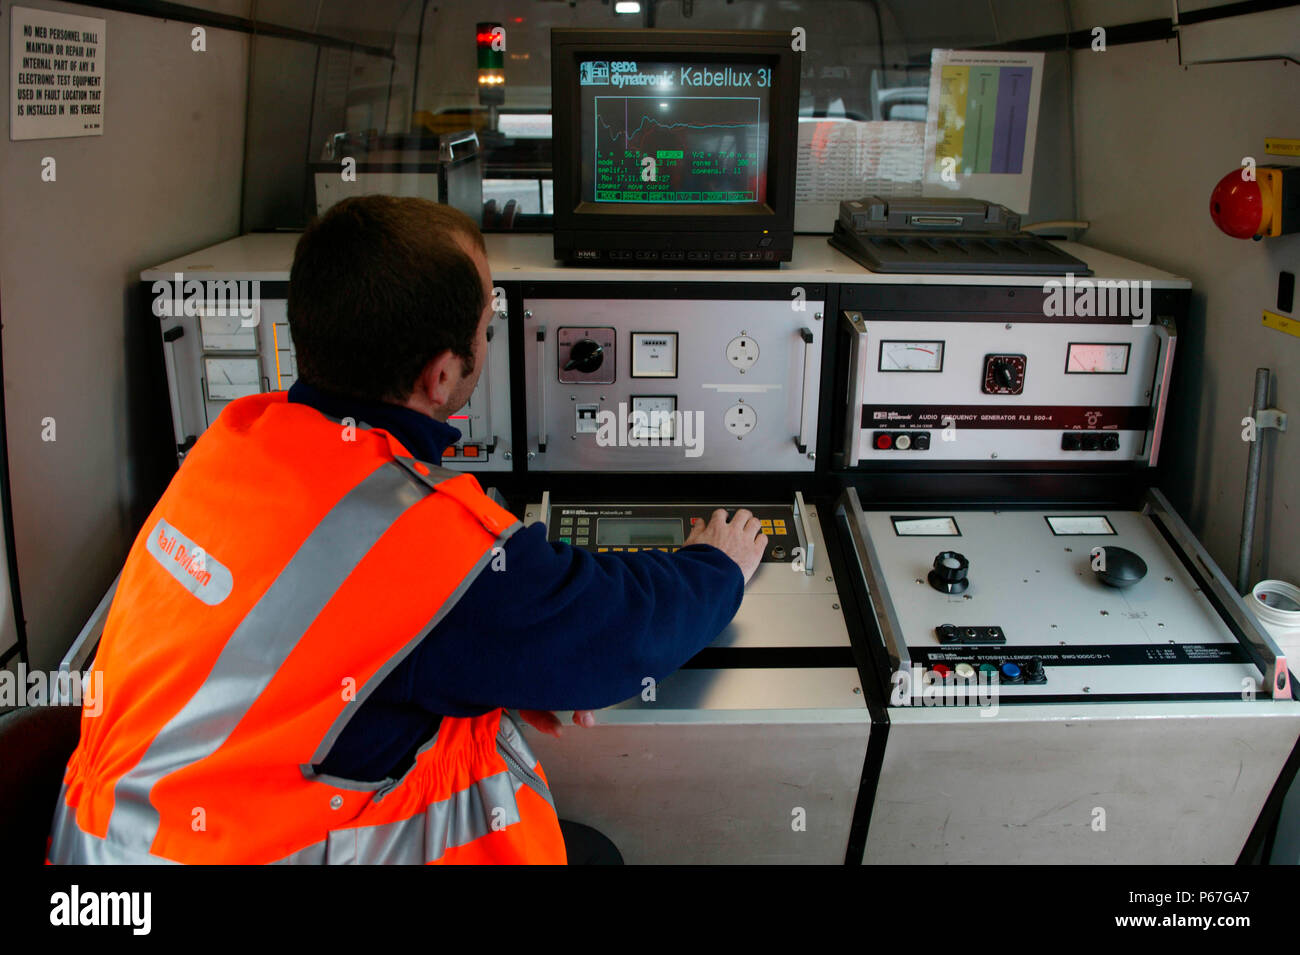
[801, 440]
[541, 390]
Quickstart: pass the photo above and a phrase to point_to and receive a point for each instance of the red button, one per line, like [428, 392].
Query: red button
[884, 442]
[450, 452]
[941, 669]
[469, 451]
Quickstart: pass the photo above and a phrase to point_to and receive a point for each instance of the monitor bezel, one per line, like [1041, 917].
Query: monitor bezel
[572, 212]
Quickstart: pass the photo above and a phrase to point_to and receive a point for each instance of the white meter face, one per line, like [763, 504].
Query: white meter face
[926, 527]
[654, 354]
[911, 356]
[1094, 358]
[227, 333]
[230, 378]
[653, 417]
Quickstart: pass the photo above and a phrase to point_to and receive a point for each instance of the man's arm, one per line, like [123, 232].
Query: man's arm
[561, 628]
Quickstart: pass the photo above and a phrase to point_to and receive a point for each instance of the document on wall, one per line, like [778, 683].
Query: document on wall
[56, 74]
[982, 125]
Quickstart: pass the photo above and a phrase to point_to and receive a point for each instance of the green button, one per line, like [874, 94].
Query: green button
[565, 540]
[987, 668]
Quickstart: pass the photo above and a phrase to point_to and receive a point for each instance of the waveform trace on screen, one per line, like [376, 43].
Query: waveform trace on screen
[705, 148]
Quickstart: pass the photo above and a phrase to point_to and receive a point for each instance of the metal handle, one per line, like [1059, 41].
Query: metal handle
[855, 387]
[1160, 387]
[173, 386]
[447, 147]
[803, 530]
[849, 512]
[1259, 646]
[82, 651]
[541, 390]
[801, 440]
[485, 377]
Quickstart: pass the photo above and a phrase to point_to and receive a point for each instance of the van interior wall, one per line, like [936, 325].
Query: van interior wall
[163, 179]
[1152, 139]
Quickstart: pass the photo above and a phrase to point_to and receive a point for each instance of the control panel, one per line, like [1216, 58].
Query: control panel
[653, 384]
[791, 601]
[225, 353]
[1061, 604]
[630, 528]
[985, 389]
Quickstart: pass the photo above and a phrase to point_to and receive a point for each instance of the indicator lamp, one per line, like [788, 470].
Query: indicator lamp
[490, 41]
[1266, 205]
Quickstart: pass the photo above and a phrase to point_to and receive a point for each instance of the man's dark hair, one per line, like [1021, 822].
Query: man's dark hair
[379, 287]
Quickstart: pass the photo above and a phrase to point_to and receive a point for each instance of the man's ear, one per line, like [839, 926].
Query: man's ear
[437, 382]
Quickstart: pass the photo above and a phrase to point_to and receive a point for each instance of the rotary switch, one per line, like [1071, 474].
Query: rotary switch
[585, 356]
[949, 573]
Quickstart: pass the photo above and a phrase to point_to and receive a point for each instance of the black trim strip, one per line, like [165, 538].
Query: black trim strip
[1141, 31]
[187, 14]
[771, 658]
[1234, 10]
[10, 543]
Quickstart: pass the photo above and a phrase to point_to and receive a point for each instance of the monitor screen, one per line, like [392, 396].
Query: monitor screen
[663, 131]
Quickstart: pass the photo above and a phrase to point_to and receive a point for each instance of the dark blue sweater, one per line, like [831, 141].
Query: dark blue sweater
[559, 629]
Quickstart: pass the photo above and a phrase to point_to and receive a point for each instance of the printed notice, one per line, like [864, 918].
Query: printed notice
[56, 74]
[982, 124]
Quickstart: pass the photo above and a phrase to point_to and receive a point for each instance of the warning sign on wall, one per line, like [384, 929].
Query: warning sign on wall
[56, 74]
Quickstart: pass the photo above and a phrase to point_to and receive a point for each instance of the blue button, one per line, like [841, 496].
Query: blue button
[1011, 671]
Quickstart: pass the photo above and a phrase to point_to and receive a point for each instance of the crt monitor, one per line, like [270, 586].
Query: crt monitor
[674, 147]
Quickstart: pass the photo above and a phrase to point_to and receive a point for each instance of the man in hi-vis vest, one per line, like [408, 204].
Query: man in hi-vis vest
[318, 629]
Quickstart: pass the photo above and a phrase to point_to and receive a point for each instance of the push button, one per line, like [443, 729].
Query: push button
[1011, 672]
[470, 451]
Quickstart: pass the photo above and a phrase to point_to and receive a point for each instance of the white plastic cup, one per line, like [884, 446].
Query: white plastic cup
[1276, 604]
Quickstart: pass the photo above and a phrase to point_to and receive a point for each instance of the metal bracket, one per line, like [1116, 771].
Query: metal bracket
[1271, 418]
[803, 530]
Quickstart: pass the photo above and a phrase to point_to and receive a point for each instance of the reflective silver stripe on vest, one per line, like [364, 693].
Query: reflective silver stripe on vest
[260, 645]
[363, 692]
[70, 846]
[487, 806]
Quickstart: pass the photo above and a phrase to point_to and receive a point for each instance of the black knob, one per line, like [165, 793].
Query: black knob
[1003, 375]
[949, 573]
[585, 355]
[1110, 442]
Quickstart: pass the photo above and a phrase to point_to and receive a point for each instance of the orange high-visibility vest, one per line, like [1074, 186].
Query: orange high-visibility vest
[292, 563]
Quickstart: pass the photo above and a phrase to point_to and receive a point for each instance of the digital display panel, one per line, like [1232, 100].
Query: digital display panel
[638, 532]
[657, 131]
